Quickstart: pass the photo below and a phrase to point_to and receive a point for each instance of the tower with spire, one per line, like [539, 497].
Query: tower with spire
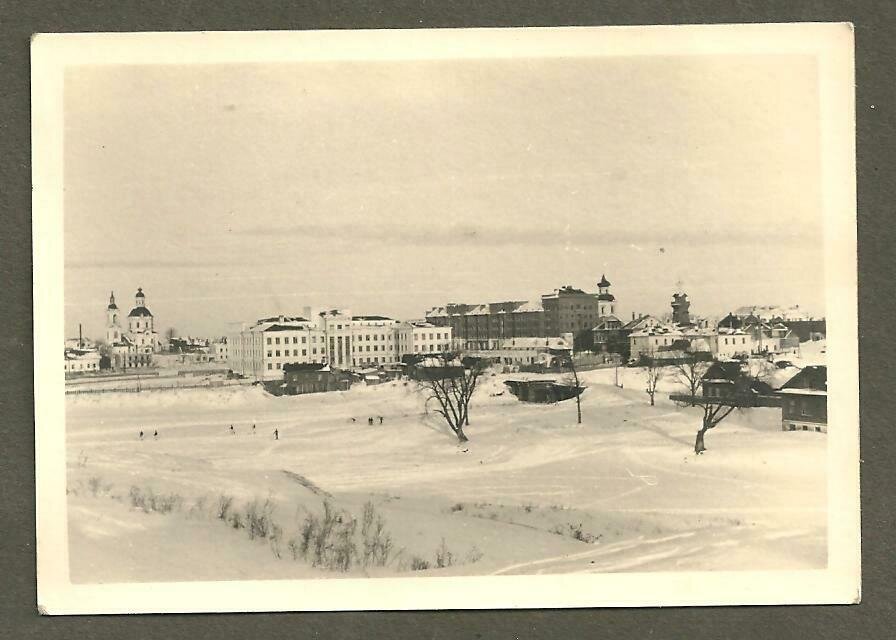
[606, 301]
[113, 328]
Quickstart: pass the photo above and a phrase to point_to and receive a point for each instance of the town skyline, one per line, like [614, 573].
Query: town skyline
[232, 192]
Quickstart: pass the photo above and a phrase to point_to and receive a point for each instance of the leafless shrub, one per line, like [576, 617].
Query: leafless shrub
[294, 545]
[419, 564]
[164, 503]
[138, 500]
[274, 537]
[225, 503]
[444, 557]
[574, 531]
[377, 543]
[259, 519]
[327, 541]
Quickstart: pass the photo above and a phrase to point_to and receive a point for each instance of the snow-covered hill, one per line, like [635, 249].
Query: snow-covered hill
[531, 492]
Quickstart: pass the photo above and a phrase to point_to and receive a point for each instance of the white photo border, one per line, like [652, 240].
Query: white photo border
[832, 44]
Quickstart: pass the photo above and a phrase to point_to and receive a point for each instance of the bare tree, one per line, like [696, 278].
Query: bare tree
[452, 387]
[713, 414]
[575, 380]
[759, 367]
[654, 375]
[689, 374]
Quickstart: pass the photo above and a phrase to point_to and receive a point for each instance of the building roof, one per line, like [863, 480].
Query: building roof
[137, 312]
[371, 318]
[608, 322]
[283, 327]
[637, 323]
[723, 372]
[606, 296]
[478, 310]
[282, 319]
[529, 307]
[140, 293]
[304, 367]
[779, 377]
[810, 378]
[730, 321]
[603, 281]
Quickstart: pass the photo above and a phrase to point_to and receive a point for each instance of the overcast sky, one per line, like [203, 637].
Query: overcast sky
[232, 192]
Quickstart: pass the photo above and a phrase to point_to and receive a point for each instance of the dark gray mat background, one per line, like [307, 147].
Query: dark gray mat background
[876, 51]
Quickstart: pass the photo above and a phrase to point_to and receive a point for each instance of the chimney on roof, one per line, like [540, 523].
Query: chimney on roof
[280, 317]
[633, 315]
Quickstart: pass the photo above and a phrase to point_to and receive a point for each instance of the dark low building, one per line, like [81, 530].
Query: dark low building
[805, 401]
[314, 377]
[807, 330]
[727, 382]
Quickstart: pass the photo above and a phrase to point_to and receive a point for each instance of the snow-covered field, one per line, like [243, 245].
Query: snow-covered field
[531, 492]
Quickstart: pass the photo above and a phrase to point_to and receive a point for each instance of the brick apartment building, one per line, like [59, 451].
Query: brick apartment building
[565, 310]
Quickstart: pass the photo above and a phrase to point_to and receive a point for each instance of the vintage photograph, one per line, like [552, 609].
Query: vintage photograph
[535, 304]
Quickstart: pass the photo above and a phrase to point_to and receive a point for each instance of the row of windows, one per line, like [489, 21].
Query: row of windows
[81, 366]
[295, 352]
[375, 337]
[295, 340]
[805, 428]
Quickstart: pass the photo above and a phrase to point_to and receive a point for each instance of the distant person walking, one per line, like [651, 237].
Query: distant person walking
[276, 434]
[155, 434]
[253, 429]
[141, 435]
[232, 432]
[370, 421]
[381, 419]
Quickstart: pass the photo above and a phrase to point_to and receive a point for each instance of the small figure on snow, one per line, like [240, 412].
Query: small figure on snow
[253, 429]
[353, 420]
[381, 419]
[370, 421]
[276, 434]
[232, 432]
[155, 434]
[141, 435]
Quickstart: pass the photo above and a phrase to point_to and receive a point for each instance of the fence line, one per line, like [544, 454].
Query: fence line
[156, 388]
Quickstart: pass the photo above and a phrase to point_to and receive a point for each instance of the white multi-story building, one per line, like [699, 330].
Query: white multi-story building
[259, 351]
[334, 337]
[374, 341]
[732, 342]
[428, 338]
[219, 350]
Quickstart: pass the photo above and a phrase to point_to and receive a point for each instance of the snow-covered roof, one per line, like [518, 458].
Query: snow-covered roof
[529, 307]
[804, 392]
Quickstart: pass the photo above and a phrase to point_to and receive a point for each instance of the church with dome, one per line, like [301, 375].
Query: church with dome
[134, 345]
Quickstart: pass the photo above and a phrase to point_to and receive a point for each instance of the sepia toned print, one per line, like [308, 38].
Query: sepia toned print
[485, 318]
